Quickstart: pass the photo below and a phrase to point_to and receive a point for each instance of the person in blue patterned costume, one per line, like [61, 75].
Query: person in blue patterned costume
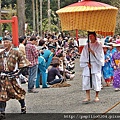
[106, 68]
[111, 51]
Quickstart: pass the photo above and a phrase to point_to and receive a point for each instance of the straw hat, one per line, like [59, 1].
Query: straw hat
[110, 43]
[105, 46]
[116, 44]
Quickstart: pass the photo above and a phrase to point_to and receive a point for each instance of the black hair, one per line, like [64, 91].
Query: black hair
[55, 65]
[94, 33]
[60, 55]
[21, 39]
[41, 42]
[33, 38]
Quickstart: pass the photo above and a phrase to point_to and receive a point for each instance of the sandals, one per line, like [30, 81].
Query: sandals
[117, 89]
[86, 100]
[23, 110]
[97, 99]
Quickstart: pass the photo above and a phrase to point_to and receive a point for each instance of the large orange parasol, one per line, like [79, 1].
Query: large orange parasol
[90, 16]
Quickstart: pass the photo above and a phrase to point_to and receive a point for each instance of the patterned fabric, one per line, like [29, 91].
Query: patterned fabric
[22, 49]
[106, 67]
[9, 88]
[31, 54]
[13, 58]
[111, 52]
[116, 80]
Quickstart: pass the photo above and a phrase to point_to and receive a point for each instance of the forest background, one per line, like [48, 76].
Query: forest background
[40, 15]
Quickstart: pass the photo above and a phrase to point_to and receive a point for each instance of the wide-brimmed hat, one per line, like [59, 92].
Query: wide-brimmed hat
[116, 44]
[110, 43]
[105, 46]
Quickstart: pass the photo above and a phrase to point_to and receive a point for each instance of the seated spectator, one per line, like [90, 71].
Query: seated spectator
[63, 71]
[52, 73]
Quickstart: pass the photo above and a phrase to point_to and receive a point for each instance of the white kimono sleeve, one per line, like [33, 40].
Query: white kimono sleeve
[99, 55]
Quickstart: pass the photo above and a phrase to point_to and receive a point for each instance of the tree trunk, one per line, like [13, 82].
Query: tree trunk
[0, 19]
[21, 16]
[41, 18]
[33, 15]
[58, 4]
[37, 17]
[58, 9]
[49, 15]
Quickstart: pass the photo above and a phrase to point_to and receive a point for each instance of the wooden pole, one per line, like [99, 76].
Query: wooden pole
[37, 17]
[89, 62]
[59, 20]
[15, 31]
[49, 16]
[33, 4]
[21, 16]
[41, 18]
[77, 34]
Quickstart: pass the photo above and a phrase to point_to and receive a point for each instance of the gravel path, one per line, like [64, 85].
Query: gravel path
[67, 99]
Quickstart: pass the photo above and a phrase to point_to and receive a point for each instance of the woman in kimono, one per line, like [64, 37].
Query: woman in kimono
[111, 51]
[116, 66]
[106, 67]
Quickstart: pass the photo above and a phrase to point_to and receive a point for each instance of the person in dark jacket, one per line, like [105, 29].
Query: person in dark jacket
[54, 75]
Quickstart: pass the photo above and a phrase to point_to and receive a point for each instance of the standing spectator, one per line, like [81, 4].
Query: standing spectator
[22, 46]
[116, 66]
[44, 61]
[32, 56]
[97, 61]
[22, 41]
[11, 60]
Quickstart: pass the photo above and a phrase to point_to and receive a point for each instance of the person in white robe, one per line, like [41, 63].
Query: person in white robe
[96, 63]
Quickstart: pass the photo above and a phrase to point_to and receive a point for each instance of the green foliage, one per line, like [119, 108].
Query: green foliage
[28, 13]
[6, 3]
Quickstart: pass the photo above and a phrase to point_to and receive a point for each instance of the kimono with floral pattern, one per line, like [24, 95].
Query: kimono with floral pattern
[116, 62]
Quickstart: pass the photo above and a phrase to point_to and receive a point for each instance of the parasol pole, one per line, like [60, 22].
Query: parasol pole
[77, 35]
[89, 62]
